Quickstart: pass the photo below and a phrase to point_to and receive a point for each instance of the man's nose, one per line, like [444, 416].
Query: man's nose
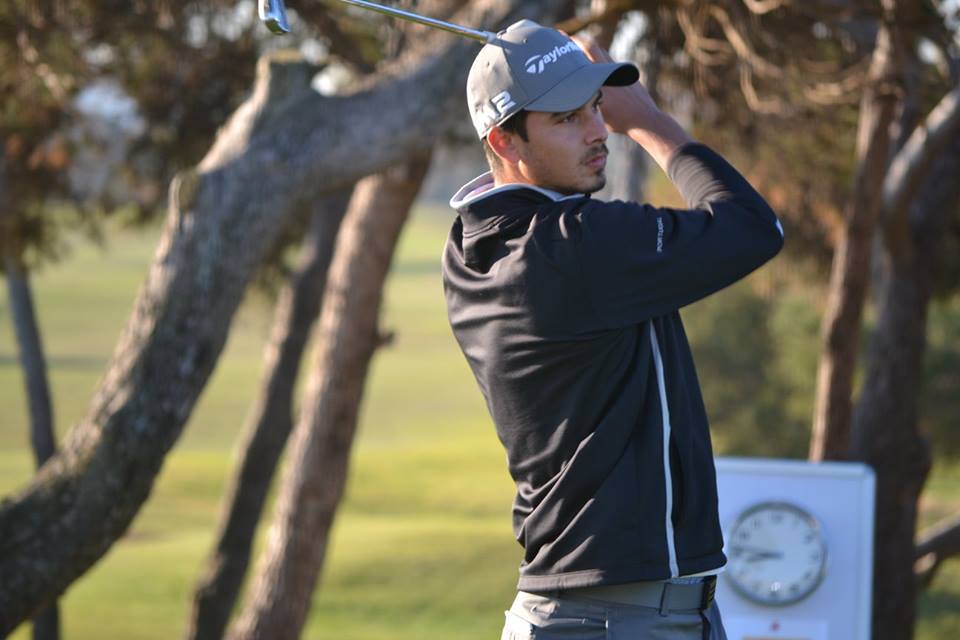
[596, 128]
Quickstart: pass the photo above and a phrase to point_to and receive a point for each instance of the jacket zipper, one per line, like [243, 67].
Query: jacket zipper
[667, 471]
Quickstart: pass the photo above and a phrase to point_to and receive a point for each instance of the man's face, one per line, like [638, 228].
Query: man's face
[565, 152]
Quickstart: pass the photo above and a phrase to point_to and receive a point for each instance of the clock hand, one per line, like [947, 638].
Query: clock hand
[757, 553]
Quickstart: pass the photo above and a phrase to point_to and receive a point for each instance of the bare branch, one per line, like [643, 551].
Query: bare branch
[58, 86]
[741, 46]
[769, 106]
[707, 51]
[936, 544]
[612, 9]
[846, 90]
[701, 41]
[910, 164]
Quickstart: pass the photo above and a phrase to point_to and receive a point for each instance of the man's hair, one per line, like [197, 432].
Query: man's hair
[517, 123]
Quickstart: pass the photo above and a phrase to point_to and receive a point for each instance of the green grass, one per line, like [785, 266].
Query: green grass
[423, 540]
[422, 546]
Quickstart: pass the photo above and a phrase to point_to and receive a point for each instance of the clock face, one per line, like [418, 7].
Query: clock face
[777, 554]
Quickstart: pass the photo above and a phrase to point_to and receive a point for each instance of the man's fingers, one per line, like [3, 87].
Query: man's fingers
[594, 51]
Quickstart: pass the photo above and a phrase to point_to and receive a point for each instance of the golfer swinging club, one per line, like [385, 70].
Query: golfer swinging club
[566, 309]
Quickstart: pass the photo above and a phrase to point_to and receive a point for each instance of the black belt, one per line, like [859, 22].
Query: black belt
[665, 596]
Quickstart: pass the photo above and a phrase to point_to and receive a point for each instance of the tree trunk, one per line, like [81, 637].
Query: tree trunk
[885, 437]
[46, 623]
[269, 423]
[222, 217]
[279, 599]
[840, 336]
[32, 360]
[885, 433]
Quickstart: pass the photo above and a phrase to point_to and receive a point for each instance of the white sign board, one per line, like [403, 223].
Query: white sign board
[799, 542]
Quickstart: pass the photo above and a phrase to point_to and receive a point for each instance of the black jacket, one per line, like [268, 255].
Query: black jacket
[566, 309]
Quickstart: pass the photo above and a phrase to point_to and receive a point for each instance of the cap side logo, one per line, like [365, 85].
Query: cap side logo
[536, 64]
[503, 101]
[498, 105]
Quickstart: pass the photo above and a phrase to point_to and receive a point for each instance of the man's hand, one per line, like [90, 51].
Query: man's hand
[622, 107]
[632, 112]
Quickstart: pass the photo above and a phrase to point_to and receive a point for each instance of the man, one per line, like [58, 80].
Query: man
[566, 309]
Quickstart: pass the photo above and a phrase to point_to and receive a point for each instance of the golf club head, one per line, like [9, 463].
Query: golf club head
[274, 15]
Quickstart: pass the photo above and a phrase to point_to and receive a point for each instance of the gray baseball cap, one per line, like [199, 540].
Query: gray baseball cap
[536, 68]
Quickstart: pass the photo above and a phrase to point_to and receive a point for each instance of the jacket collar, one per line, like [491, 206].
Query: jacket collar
[482, 187]
[485, 210]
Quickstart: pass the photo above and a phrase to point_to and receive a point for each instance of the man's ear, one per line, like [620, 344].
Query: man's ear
[504, 144]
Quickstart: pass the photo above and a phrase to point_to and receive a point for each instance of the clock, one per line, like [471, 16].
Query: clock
[777, 554]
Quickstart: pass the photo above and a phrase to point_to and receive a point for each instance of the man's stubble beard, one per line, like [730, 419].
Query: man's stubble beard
[600, 178]
[597, 182]
[602, 182]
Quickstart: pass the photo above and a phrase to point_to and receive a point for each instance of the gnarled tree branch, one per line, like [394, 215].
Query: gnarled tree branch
[910, 166]
[222, 218]
[742, 46]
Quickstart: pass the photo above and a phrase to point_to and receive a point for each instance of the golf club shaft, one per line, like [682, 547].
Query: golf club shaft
[467, 32]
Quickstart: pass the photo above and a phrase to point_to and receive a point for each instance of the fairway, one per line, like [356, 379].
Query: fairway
[422, 545]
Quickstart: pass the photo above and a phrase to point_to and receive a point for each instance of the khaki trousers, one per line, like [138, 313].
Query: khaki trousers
[562, 617]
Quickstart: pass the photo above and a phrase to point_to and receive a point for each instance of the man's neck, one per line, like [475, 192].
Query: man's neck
[502, 177]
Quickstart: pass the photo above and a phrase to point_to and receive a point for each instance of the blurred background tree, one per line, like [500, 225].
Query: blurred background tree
[224, 217]
[781, 87]
[97, 111]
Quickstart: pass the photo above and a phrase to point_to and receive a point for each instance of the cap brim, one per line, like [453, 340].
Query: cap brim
[577, 88]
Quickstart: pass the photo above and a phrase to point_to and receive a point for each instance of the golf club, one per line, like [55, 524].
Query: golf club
[273, 14]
